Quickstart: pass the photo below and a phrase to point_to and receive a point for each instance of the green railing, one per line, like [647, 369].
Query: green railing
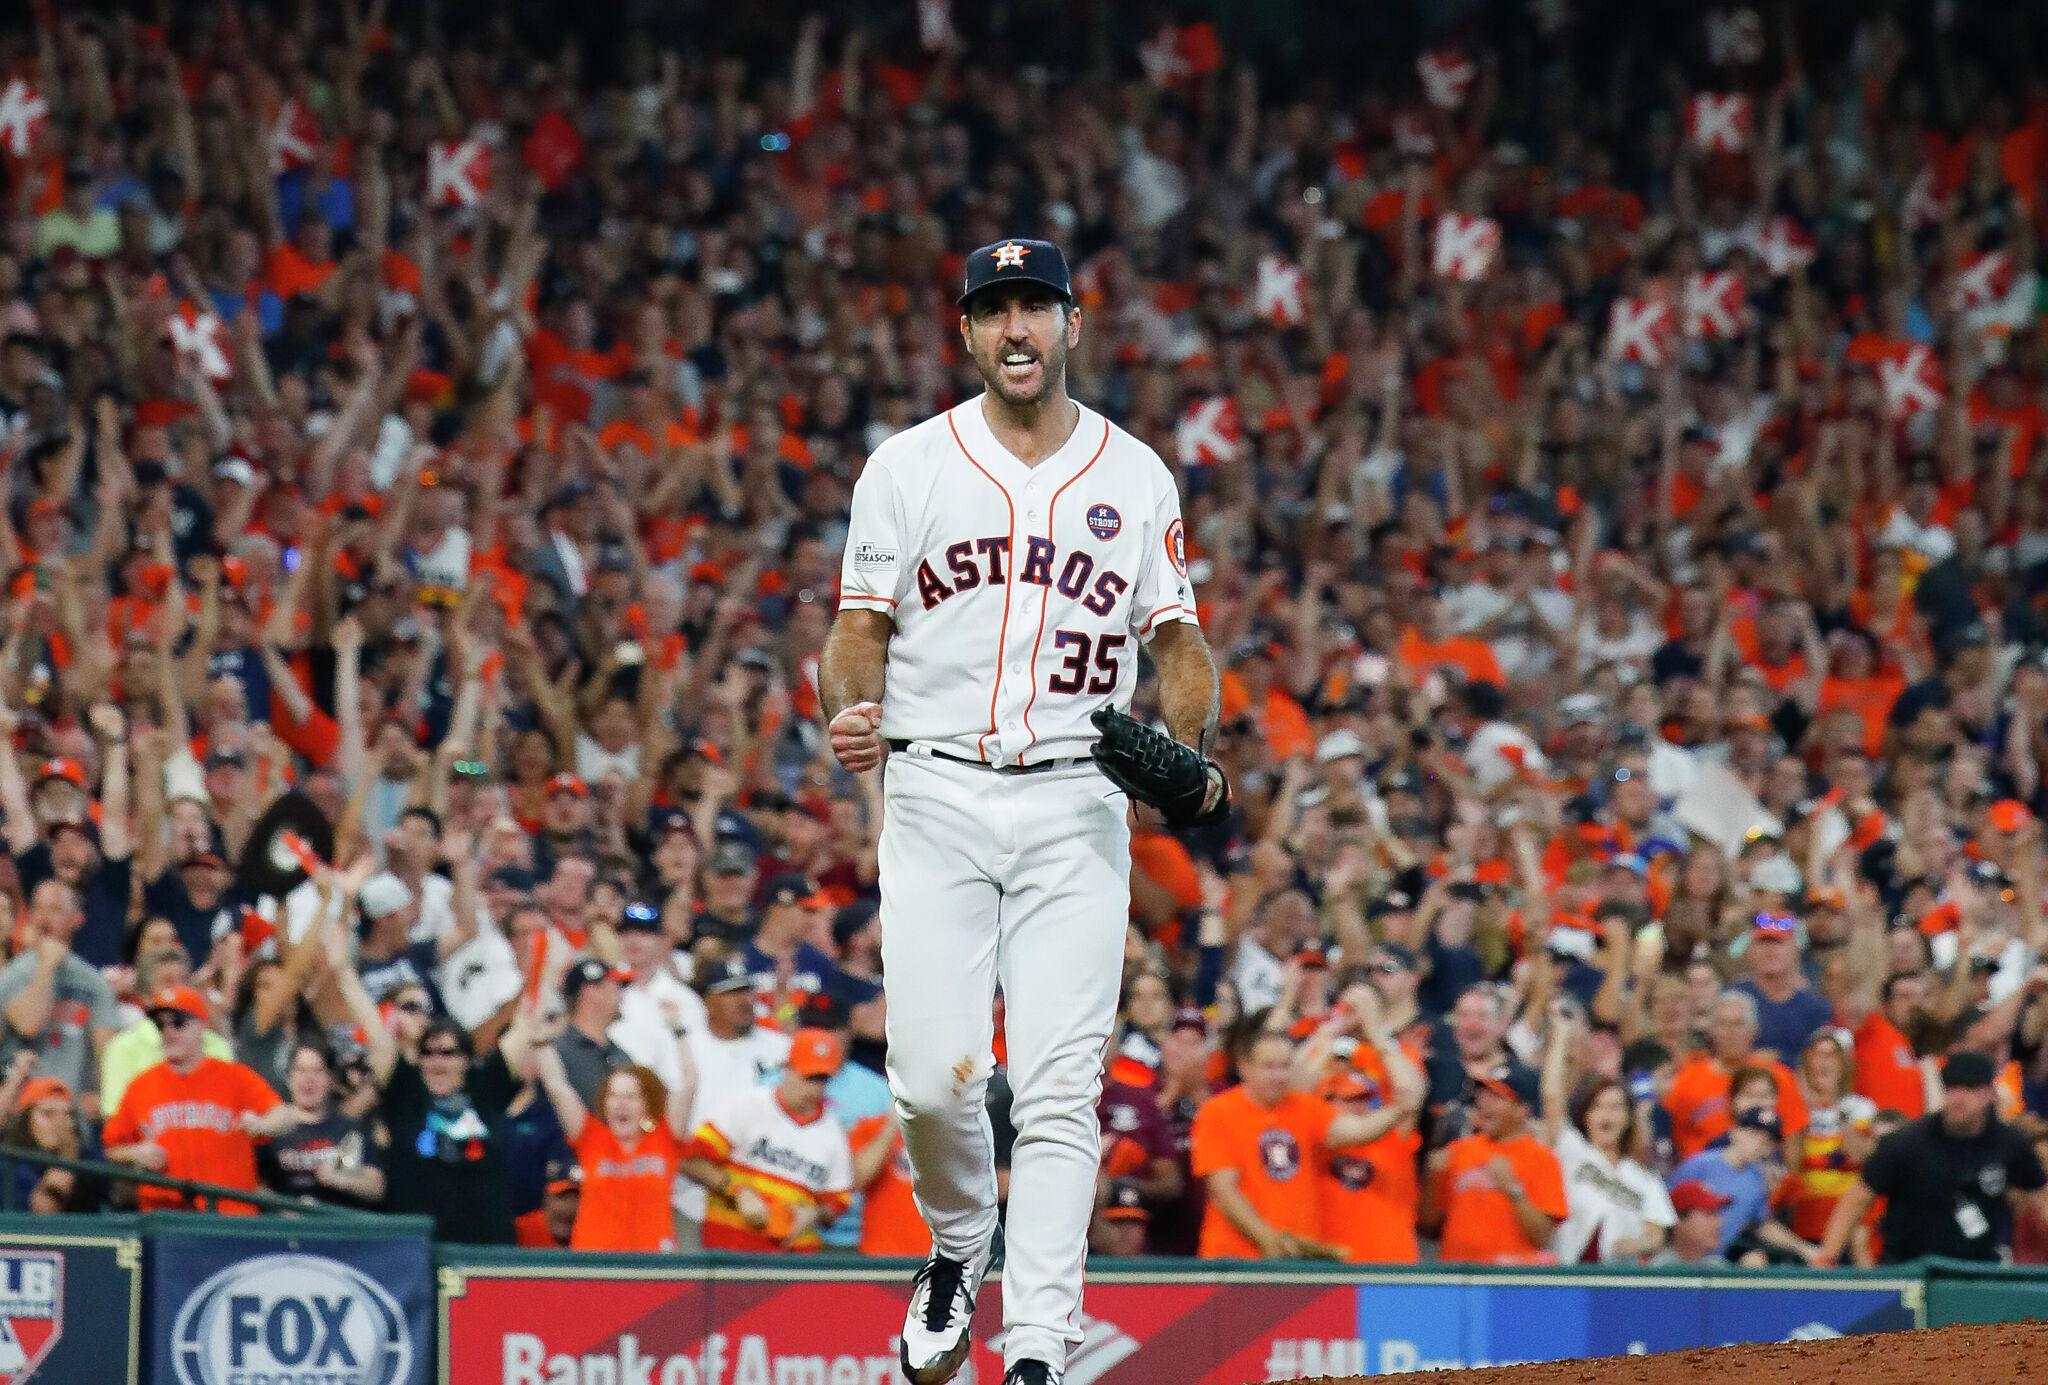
[10, 1191]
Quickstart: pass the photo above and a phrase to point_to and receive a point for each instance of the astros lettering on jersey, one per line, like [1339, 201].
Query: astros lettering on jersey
[1015, 589]
[785, 1160]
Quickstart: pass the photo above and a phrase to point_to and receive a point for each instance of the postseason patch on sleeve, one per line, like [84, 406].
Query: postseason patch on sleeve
[869, 556]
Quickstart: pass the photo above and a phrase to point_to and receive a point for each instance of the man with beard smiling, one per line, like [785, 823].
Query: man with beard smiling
[1004, 564]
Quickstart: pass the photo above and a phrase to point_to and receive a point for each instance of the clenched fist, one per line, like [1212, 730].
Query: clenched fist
[856, 736]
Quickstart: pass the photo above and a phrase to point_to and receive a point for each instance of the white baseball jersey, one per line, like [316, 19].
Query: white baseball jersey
[782, 1158]
[725, 1068]
[1020, 594]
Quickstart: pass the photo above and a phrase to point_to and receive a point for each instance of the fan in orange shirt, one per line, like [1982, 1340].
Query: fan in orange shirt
[1370, 1193]
[303, 264]
[1857, 684]
[550, 1225]
[192, 1116]
[889, 1223]
[1888, 1071]
[629, 1159]
[1249, 688]
[1782, 643]
[1252, 1146]
[1698, 1099]
[1497, 1194]
[1434, 645]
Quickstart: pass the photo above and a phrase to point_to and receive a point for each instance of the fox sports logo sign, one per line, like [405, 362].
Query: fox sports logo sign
[291, 1320]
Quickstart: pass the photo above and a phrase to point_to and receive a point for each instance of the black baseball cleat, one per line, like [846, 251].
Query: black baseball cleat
[940, 1325]
[1029, 1372]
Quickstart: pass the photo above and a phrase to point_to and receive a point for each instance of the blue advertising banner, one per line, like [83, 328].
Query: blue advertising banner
[70, 1301]
[236, 1300]
[1501, 1321]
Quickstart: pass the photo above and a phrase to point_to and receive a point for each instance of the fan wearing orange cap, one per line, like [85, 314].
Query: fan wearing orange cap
[43, 1117]
[776, 1166]
[192, 1116]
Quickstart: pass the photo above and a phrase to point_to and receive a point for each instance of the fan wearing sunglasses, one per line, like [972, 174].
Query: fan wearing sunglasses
[1789, 1011]
[192, 1116]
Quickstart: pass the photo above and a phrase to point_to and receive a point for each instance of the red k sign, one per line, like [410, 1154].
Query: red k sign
[294, 137]
[1912, 379]
[1466, 246]
[1713, 306]
[1208, 432]
[1735, 38]
[1411, 134]
[1174, 55]
[201, 340]
[1446, 77]
[1641, 329]
[23, 114]
[1983, 279]
[1718, 122]
[1784, 247]
[458, 174]
[1278, 294]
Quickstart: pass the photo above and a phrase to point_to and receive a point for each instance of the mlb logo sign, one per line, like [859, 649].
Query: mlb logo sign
[31, 1311]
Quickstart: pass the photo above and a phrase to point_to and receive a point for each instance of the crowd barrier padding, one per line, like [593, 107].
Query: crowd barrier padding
[188, 1299]
[567, 1319]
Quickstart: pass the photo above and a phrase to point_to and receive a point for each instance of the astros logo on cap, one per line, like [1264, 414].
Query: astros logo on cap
[1010, 255]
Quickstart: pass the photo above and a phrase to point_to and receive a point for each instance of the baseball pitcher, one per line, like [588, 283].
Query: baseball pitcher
[1006, 562]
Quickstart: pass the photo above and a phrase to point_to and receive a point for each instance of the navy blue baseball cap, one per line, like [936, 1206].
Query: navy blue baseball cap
[1018, 262]
[1516, 1083]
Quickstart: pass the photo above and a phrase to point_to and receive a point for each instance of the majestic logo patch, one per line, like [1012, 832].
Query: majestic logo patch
[1010, 255]
[31, 1311]
[1177, 547]
[1104, 522]
[1280, 1155]
[867, 556]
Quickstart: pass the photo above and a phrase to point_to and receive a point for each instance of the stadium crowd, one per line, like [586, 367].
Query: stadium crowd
[1614, 451]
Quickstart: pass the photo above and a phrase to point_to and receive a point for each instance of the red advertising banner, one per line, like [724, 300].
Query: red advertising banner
[508, 1327]
[612, 1320]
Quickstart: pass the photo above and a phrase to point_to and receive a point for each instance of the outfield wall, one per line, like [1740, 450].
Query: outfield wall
[182, 1299]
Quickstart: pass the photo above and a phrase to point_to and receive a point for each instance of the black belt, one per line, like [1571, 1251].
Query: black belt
[1064, 762]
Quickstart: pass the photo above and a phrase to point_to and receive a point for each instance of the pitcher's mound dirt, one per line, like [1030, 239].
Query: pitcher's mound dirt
[2009, 1353]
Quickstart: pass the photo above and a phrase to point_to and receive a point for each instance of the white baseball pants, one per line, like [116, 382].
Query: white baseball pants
[1022, 879]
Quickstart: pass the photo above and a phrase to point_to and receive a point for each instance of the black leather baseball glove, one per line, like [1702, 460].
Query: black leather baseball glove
[1155, 768]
